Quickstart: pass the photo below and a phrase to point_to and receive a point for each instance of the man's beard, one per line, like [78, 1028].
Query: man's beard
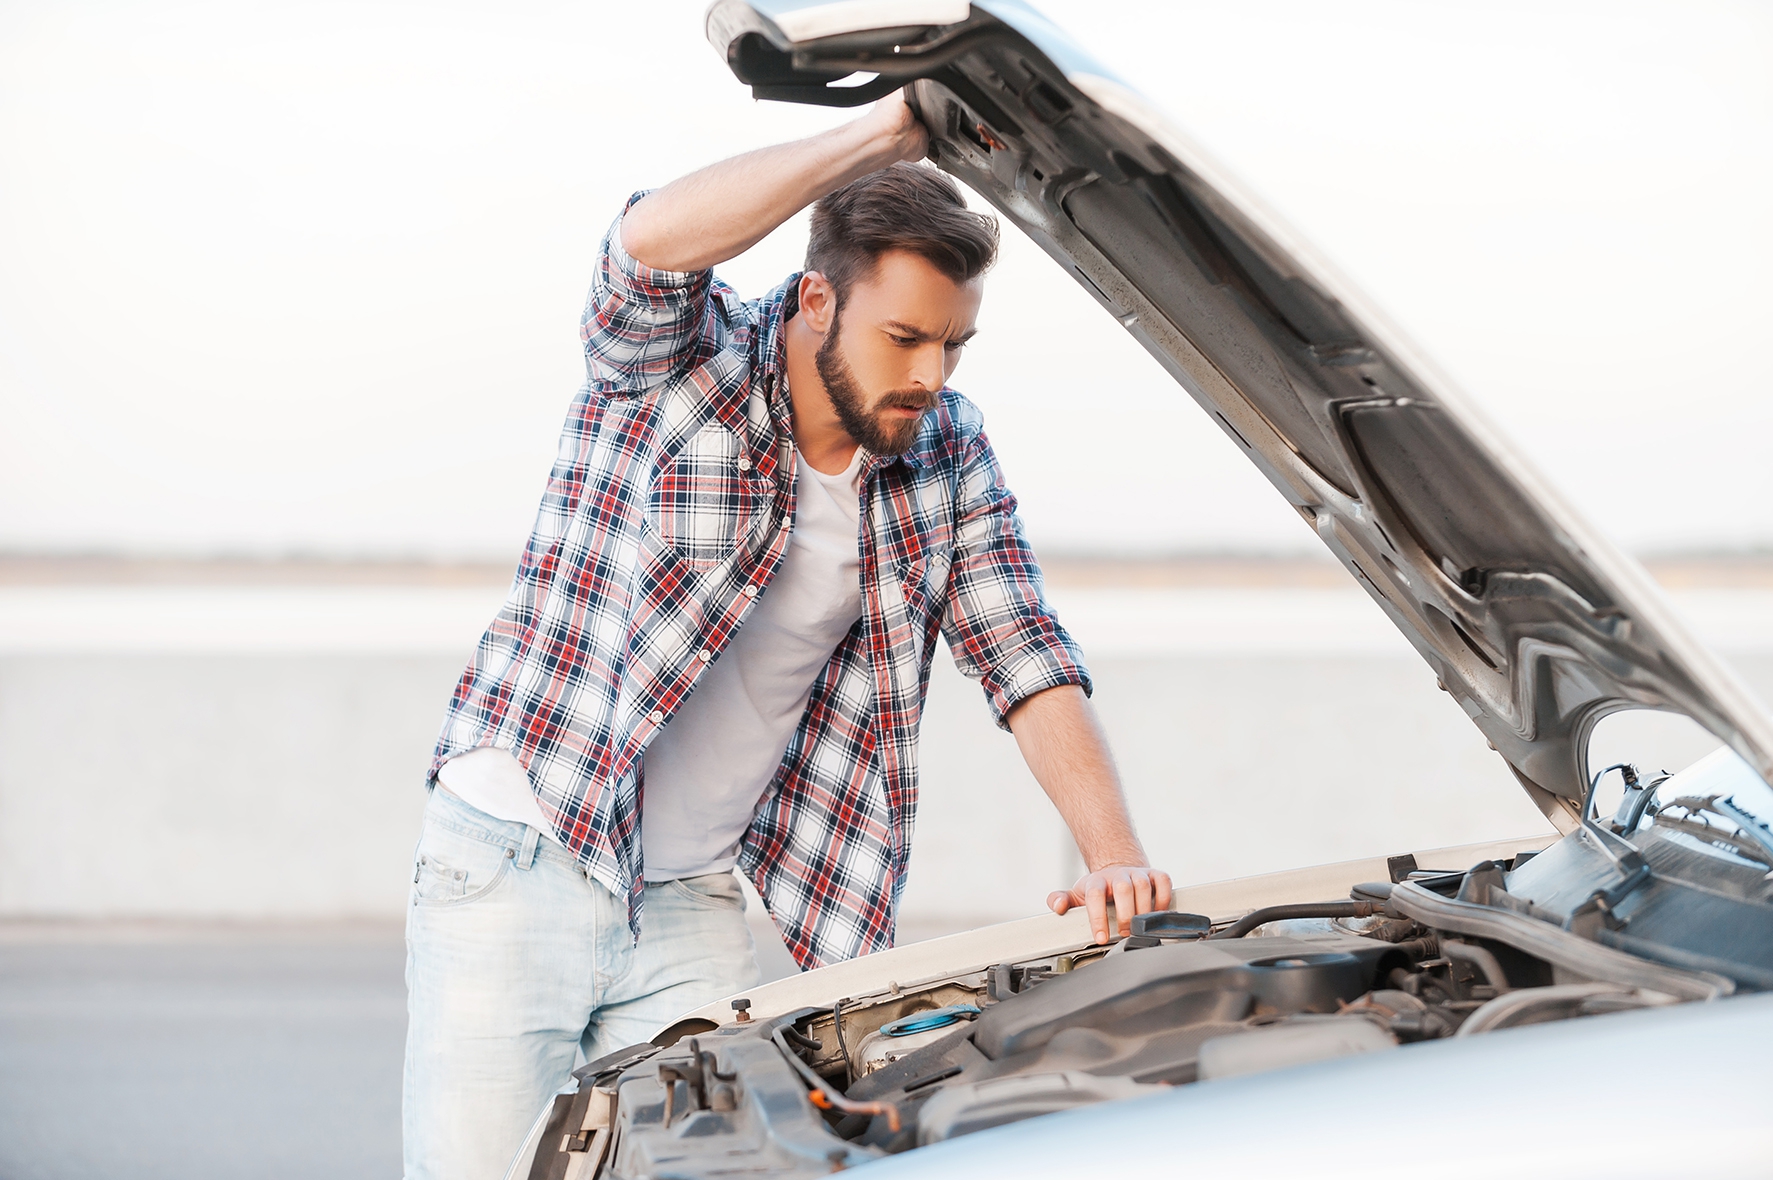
[865, 423]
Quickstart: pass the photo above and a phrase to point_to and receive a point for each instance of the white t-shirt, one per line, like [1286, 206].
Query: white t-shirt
[706, 770]
[492, 780]
[708, 767]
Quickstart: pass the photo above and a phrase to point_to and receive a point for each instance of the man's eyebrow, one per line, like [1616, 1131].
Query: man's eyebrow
[901, 328]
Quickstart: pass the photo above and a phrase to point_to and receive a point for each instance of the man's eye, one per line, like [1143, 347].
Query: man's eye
[956, 345]
[904, 341]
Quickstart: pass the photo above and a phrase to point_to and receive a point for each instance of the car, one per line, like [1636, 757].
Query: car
[1591, 1003]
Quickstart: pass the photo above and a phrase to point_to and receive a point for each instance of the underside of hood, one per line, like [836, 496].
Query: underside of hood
[1536, 625]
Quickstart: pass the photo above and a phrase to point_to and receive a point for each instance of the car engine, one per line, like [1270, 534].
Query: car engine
[1669, 902]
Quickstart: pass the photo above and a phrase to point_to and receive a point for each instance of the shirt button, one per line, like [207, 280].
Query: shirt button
[751, 592]
[656, 717]
[704, 655]
[744, 463]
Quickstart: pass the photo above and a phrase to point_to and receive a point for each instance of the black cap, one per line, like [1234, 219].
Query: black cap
[1171, 924]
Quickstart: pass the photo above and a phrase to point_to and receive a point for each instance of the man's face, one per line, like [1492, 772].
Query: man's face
[893, 346]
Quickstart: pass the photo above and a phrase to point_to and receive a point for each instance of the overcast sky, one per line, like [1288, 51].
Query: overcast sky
[305, 277]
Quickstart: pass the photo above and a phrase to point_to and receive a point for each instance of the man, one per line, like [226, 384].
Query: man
[717, 642]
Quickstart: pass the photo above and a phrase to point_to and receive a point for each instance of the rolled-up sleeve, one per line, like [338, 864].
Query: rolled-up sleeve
[642, 325]
[998, 623]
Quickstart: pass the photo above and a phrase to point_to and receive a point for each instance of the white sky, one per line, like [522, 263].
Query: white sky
[305, 277]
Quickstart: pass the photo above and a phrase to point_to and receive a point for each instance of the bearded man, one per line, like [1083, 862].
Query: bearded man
[717, 643]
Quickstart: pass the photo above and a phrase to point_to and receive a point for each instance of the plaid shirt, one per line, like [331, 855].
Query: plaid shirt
[667, 513]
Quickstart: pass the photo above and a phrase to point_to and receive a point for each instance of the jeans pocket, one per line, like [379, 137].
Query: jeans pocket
[717, 891]
[454, 868]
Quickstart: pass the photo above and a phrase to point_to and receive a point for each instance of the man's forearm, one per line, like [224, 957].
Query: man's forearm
[1064, 746]
[719, 212]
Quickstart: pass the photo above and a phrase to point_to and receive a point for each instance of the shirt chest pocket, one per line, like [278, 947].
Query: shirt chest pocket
[702, 502]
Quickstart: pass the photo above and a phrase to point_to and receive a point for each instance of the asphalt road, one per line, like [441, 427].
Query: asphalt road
[209, 1051]
[204, 1056]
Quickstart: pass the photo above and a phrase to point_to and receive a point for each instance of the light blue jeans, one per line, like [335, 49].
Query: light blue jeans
[516, 962]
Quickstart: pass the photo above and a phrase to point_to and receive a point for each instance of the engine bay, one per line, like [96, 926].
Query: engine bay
[1668, 902]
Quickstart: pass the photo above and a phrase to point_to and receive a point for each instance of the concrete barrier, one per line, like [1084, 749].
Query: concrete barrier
[256, 752]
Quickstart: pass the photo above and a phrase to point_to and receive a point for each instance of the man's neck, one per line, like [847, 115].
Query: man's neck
[819, 436]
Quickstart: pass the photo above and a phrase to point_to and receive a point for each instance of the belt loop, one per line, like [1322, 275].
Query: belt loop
[532, 841]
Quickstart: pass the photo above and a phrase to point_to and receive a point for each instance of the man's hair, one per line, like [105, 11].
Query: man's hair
[907, 207]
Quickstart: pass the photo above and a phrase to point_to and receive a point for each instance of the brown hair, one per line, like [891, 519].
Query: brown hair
[908, 207]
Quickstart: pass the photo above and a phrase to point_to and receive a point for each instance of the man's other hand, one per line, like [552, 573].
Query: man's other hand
[1135, 889]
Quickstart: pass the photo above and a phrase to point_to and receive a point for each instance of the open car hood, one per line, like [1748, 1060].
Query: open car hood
[1536, 624]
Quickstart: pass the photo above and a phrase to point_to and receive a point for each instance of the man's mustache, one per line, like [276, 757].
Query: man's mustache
[907, 399]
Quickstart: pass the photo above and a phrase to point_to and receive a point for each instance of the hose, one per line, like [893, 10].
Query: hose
[1519, 1007]
[1312, 909]
[1481, 958]
[824, 1098]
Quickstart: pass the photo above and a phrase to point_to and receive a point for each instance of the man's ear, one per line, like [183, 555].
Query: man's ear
[818, 301]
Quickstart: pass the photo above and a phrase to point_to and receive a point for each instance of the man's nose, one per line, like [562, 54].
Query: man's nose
[928, 370]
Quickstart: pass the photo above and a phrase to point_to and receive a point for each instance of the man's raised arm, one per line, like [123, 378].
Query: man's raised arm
[719, 212]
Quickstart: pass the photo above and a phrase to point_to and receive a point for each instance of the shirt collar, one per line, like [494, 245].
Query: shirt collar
[779, 307]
